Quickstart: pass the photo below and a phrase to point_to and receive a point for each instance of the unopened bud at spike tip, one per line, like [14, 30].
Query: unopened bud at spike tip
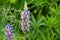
[25, 6]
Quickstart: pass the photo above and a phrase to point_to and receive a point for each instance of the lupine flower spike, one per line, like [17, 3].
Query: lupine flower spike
[9, 32]
[25, 16]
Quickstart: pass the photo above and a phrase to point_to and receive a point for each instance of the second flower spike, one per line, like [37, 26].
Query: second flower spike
[9, 32]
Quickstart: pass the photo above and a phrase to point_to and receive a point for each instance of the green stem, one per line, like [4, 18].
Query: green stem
[24, 35]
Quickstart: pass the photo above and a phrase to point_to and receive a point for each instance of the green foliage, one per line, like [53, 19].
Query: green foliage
[44, 19]
[51, 21]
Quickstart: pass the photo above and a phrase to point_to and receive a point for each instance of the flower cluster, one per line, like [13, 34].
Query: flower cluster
[9, 32]
[25, 16]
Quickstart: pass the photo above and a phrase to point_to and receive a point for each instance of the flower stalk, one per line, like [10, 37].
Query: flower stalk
[9, 32]
[25, 16]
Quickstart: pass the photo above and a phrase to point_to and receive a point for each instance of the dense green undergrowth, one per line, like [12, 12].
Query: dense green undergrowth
[44, 19]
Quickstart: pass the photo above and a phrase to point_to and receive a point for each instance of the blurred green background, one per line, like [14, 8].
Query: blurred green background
[44, 19]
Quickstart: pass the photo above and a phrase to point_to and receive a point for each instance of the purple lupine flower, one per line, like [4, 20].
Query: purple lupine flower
[9, 32]
[25, 16]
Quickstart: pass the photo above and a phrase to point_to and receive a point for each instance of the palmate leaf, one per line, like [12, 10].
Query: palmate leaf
[47, 36]
[51, 21]
[50, 36]
[36, 35]
[36, 23]
[55, 10]
[33, 35]
[43, 37]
